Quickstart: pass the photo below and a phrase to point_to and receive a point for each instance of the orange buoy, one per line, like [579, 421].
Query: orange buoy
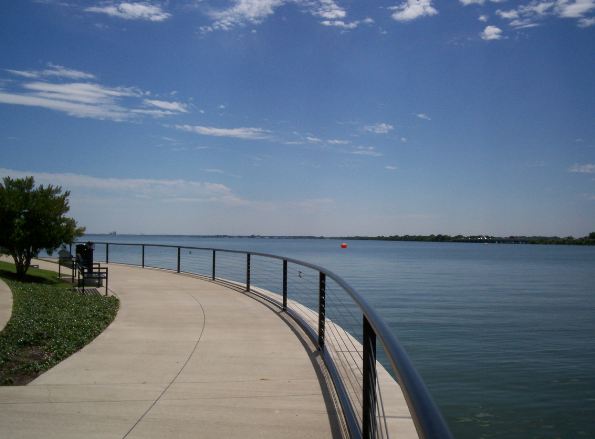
[343, 245]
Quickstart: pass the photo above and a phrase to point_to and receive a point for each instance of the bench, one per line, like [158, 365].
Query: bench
[65, 259]
[92, 272]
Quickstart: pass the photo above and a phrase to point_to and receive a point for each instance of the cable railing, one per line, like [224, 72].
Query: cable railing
[344, 327]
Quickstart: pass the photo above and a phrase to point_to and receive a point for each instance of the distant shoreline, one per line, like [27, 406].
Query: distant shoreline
[541, 240]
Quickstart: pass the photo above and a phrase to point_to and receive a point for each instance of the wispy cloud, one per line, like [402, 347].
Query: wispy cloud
[531, 14]
[412, 9]
[588, 169]
[54, 70]
[133, 11]
[172, 106]
[240, 133]
[423, 116]
[338, 23]
[491, 33]
[379, 128]
[479, 2]
[392, 168]
[313, 139]
[338, 142]
[83, 99]
[362, 150]
[145, 188]
[244, 12]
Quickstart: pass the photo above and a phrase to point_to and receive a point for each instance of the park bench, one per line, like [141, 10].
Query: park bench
[66, 260]
[90, 273]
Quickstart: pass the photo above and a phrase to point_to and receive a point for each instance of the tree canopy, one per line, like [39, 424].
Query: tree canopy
[32, 220]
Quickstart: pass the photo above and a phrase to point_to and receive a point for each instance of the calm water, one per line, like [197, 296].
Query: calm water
[501, 334]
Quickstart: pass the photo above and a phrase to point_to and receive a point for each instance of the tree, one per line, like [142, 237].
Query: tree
[32, 220]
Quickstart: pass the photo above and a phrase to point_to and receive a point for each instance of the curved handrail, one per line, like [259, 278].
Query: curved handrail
[426, 416]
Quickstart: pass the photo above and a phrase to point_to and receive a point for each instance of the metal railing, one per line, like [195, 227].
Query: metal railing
[340, 322]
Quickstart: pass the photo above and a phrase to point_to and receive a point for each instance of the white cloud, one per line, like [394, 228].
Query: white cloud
[84, 99]
[588, 169]
[216, 171]
[313, 139]
[479, 2]
[338, 142]
[379, 128]
[172, 106]
[71, 103]
[342, 24]
[133, 11]
[586, 22]
[54, 70]
[574, 8]
[483, 18]
[243, 12]
[412, 9]
[147, 188]
[390, 167]
[362, 150]
[240, 133]
[526, 15]
[403, 139]
[507, 14]
[491, 33]
[423, 116]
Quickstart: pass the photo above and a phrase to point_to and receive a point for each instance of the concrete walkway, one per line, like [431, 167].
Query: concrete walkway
[183, 358]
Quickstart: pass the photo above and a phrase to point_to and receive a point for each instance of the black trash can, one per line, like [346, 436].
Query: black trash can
[84, 254]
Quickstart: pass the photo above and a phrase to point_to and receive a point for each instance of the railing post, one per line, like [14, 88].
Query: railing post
[369, 426]
[321, 309]
[284, 285]
[107, 253]
[178, 259]
[248, 272]
[213, 264]
[143, 256]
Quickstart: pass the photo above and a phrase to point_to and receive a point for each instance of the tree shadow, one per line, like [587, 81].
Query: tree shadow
[45, 279]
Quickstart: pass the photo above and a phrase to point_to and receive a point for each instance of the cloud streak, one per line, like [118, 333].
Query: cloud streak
[379, 128]
[132, 11]
[245, 12]
[83, 99]
[587, 169]
[240, 133]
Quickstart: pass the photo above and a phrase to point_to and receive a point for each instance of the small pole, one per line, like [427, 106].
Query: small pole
[143, 256]
[178, 259]
[369, 427]
[284, 285]
[321, 309]
[213, 264]
[248, 272]
[107, 253]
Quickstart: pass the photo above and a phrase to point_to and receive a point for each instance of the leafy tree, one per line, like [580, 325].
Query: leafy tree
[32, 220]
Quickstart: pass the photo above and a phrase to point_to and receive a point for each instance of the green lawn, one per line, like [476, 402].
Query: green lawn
[50, 321]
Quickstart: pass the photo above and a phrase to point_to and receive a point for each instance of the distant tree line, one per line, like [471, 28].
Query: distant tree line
[569, 240]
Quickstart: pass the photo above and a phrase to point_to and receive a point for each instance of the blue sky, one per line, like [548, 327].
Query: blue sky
[305, 117]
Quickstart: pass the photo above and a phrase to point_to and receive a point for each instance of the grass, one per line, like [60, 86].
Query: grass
[50, 321]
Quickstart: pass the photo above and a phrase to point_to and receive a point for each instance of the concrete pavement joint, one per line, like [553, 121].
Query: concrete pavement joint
[182, 368]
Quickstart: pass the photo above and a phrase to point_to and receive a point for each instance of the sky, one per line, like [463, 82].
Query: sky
[305, 117]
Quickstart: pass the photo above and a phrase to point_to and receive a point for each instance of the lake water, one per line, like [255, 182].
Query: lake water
[503, 335]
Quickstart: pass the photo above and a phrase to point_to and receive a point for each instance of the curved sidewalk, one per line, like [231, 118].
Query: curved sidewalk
[184, 358]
